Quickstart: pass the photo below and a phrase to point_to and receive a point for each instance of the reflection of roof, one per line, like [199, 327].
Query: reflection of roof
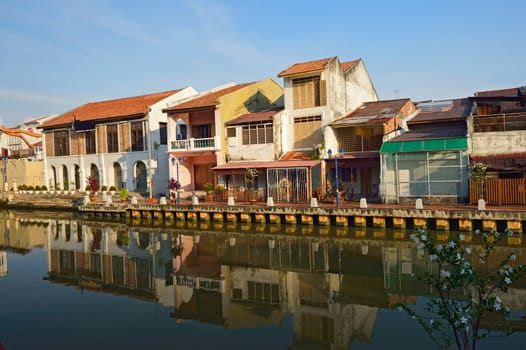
[274, 164]
[206, 99]
[372, 112]
[122, 107]
[262, 116]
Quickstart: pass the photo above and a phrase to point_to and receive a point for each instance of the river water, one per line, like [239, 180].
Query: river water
[66, 283]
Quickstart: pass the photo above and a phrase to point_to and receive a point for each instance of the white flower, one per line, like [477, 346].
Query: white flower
[459, 257]
[400, 309]
[461, 237]
[414, 238]
[509, 233]
[464, 319]
[452, 244]
[507, 280]
[445, 274]
[498, 299]
[513, 257]
[423, 237]
[497, 306]
[431, 321]
[477, 231]
[468, 250]
[433, 257]
[496, 234]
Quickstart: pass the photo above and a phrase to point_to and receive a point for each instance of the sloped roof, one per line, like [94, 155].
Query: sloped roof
[456, 109]
[347, 65]
[261, 116]
[509, 100]
[297, 155]
[207, 99]
[269, 164]
[305, 67]
[122, 107]
[372, 112]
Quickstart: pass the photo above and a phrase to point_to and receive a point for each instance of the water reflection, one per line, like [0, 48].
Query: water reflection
[334, 282]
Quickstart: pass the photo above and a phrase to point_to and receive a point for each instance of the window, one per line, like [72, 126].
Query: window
[263, 292]
[61, 141]
[137, 136]
[257, 134]
[231, 132]
[163, 134]
[89, 140]
[112, 138]
[308, 92]
[307, 131]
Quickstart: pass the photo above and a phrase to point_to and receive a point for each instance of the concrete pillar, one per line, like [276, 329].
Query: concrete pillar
[217, 217]
[419, 222]
[399, 222]
[313, 202]
[274, 219]
[465, 225]
[419, 204]
[204, 216]
[442, 224]
[341, 220]
[191, 216]
[195, 200]
[231, 217]
[360, 221]
[244, 217]
[134, 200]
[270, 202]
[162, 200]
[324, 220]
[481, 204]
[515, 226]
[307, 219]
[489, 225]
[260, 218]
[379, 221]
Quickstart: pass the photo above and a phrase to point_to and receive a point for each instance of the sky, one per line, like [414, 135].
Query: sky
[56, 55]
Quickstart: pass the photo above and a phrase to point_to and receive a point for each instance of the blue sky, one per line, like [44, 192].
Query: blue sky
[58, 54]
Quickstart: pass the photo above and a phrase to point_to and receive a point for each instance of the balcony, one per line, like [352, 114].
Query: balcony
[204, 144]
[360, 143]
[501, 122]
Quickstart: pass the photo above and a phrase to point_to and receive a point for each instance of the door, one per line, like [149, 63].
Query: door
[203, 174]
[140, 177]
[366, 181]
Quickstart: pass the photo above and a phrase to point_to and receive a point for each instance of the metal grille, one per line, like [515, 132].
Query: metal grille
[288, 185]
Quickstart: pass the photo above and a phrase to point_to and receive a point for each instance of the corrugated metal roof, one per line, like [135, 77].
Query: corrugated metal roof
[263, 116]
[424, 145]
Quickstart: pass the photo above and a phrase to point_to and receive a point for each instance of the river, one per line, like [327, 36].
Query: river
[66, 283]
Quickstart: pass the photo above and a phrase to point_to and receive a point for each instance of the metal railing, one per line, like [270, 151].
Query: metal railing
[192, 144]
[360, 143]
[501, 122]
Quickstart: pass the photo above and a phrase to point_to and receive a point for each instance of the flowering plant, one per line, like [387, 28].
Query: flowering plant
[209, 187]
[174, 185]
[93, 184]
[463, 294]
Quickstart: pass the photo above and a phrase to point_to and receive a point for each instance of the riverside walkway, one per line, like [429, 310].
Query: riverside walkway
[440, 217]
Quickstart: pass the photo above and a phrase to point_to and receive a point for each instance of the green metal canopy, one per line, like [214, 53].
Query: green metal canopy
[424, 145]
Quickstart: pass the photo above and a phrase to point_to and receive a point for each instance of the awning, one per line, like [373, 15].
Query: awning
[502, 161]
[424, 145]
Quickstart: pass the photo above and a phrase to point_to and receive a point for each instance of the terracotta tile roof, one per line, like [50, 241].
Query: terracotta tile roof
[373, 112]
[305, 67]
[289, 156]
[207, 99]
[262, 116]
[122, 107]
[347, 65]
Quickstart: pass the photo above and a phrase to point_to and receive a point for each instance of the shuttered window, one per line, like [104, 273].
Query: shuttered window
[308, 92]
[307, 131]
[257, 134]
[61, 141]
[112, 138]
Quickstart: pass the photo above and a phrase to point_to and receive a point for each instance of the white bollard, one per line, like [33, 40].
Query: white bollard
[482, 204]
[314, 202]
[162, 200]
[107, 202]
[195, 200]
[419, 204]
[87, 200]
[133, 200]
[230, 201]
[270, 202]
[363, 203]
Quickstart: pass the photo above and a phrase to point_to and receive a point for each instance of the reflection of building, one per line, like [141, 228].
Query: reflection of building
[3, 263]
[123, 262]
[21, 236]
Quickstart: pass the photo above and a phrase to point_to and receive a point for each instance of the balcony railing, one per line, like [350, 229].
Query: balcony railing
[203, 144]
[502, 122]
[360, 143]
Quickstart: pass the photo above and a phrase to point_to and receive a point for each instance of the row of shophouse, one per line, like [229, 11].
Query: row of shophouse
[325, 128]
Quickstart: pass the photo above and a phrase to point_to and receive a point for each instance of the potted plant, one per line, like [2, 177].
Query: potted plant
[112, 190]
[250, 177]
[209, 188]
[123, 193]
[94, 186]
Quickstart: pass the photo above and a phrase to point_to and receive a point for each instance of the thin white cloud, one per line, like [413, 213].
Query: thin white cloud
[31, 97]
